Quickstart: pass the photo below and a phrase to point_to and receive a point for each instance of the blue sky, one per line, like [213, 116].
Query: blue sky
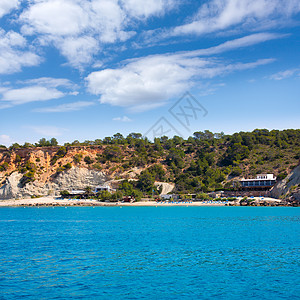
[86, 69]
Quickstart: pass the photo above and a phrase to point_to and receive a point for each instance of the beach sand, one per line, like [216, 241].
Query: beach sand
[52, 201]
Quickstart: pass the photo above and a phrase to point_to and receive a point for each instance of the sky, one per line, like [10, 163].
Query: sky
[87, 69]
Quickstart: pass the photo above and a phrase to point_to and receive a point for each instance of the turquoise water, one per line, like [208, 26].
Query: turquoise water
[149, 253]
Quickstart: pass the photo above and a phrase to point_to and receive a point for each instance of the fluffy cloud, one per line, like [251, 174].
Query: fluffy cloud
[144, 9]
[149, 82]
[79, 51]
[40, 89]
[30, 94]
[57, 17]
[79, 28]
[7, 5]
[13, 53]
[218, 15]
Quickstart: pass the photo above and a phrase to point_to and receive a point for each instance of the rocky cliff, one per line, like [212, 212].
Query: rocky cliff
[47, 171]
[72, 179]
[289, 187]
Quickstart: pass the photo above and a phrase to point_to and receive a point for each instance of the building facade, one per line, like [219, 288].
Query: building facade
[261, 181]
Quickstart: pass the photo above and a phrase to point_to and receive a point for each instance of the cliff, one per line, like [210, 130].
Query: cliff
[73, 179]
[41, 171]
[289, 187]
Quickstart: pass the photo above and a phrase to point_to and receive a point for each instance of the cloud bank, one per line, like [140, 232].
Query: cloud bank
[149, 82]
[79, 29]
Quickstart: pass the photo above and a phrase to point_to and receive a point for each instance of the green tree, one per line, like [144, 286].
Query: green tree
[146, 181]
[88, 191]
[88, 160]
[64, 194]
[104, 195]
[53, 142]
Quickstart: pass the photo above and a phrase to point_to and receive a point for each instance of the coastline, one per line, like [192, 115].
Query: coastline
[53, 201]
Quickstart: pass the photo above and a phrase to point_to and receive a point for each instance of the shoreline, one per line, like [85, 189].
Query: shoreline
[53, 202]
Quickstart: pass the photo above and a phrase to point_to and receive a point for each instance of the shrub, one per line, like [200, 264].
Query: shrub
[27, 177]
[97, 166]
[282, 175]
[236, 171]
[88, 160]
[64, 168]
[64, 193]
[77, 158]
[4, 167]
[62, 151]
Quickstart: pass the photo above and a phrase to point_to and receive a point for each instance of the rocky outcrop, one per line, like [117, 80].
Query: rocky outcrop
[289, 186]
[72, 179]
[79, 178]
[165, 187]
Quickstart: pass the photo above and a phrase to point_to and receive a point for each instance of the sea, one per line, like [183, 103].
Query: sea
[149, 253]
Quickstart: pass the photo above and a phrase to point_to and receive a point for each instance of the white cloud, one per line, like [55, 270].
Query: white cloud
[67, 107]
[149, 82]
[30, 94]
[7, 5]
[218, 15]
[122, 119]
[54, 17]
[48, 131]
[145, 9]
[75, 27]
[13, 55]
[38, 89]
[243, 42]
[79, 51]
[5, 140]
[50, 82]
[285, 74]
[80, 28]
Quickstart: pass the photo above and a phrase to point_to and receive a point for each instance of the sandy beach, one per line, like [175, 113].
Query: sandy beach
[52, 201]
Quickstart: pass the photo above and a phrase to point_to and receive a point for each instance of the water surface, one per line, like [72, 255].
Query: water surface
[149, 253]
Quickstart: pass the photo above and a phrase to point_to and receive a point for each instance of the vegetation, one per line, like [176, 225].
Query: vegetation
[62, 151]
[4, 167]
[64, 168]
[64, 194]
[28, 170]
[199, 164]
[88, 160]
[77, 158]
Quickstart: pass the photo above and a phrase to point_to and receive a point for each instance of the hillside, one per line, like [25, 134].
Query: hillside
[204, 162]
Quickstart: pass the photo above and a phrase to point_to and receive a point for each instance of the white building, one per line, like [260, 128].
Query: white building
[169, 197]
[261, 180]
[101, 188]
